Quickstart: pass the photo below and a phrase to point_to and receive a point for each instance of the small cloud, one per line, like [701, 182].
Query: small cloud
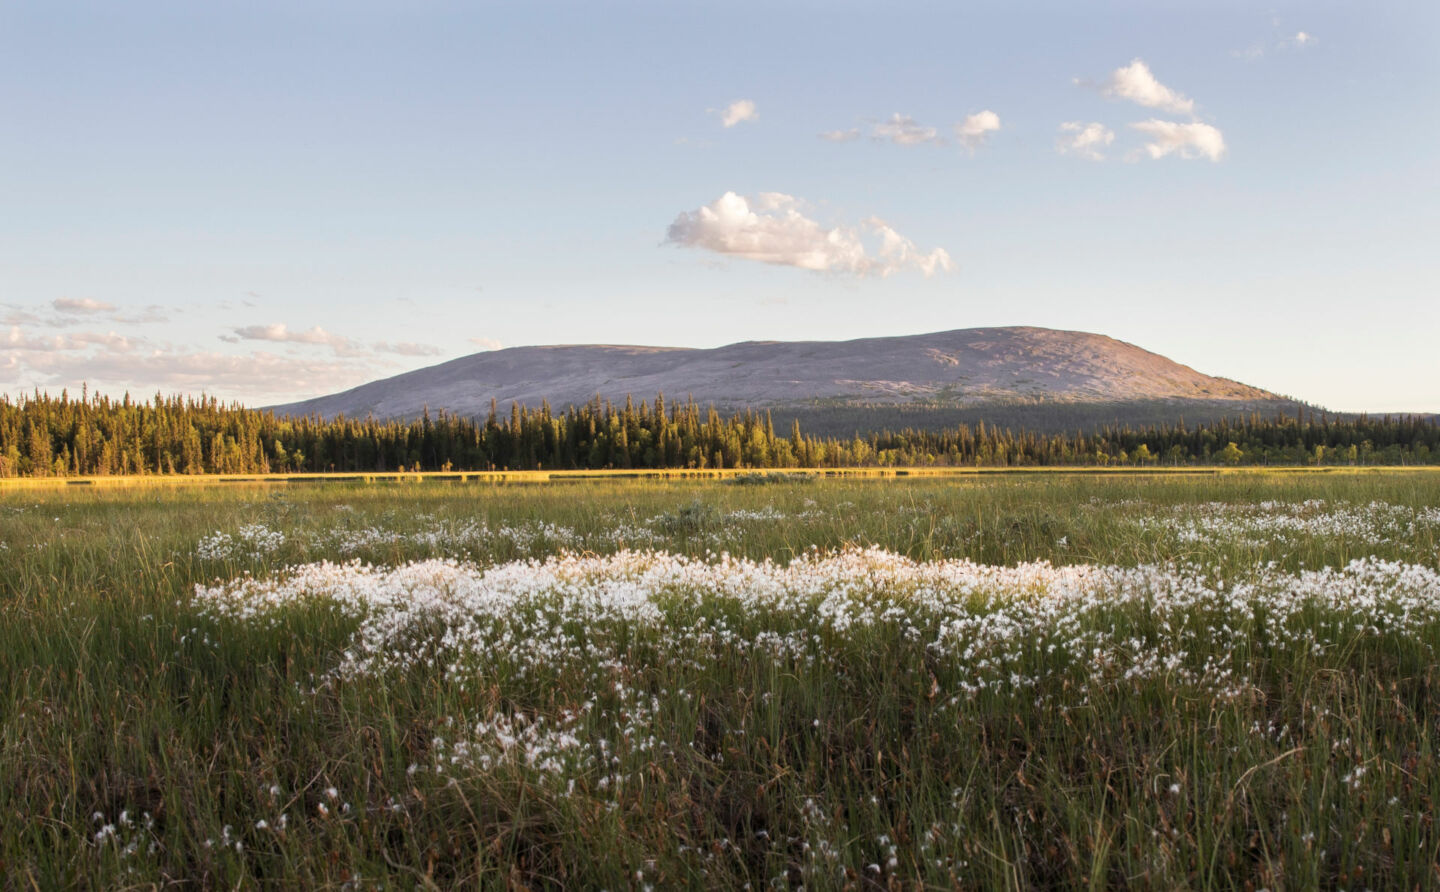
[405, 348]
[279, 333]
[1136, 84]
[897, 252]
[112, 342]
[1250, 53]
[81, 306]
[1085, 140]
[903, 130]
[20, 316]
[1189, 141]
[972, 131]
[70, 312]
[770, 228]
[1300, 41]
[18, 340]
[737, 112]
[487, 343]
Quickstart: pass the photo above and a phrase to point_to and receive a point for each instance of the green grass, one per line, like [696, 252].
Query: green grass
[121, 692]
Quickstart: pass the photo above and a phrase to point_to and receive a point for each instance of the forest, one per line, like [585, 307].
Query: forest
[41, 435]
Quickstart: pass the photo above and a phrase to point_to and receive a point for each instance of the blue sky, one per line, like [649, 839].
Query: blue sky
[268, 201]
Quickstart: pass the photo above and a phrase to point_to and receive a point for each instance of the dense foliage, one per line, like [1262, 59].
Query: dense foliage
[47, 436]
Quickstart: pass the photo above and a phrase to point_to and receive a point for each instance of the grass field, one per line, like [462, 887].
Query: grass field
[979, 681]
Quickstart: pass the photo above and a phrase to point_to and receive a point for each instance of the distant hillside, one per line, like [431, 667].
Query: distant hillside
[1034, 377]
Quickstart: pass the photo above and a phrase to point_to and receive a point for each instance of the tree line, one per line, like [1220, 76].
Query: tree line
[41, 435]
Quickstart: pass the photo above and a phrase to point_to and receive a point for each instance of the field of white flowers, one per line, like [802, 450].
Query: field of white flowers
[1153, 683]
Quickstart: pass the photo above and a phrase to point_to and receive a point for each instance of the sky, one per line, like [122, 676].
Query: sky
[268, 201]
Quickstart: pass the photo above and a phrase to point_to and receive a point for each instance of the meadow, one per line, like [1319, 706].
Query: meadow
[1149, 681]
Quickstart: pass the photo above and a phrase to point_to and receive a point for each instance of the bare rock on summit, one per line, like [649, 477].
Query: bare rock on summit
[964, 369]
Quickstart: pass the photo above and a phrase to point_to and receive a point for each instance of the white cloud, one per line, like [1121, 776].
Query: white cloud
[317, 336]
[1193, 140]
[1135, 83]
[971, 132]
[487, 343]
[772, 229]
[1089, 141]
[279, 333]
[109, 340]
[904, 130]
[82, 305]
[20, 316]
[69, 312]
[738, 111]
[897, 252]
[15, 339]
[406, 348]
[1301, 40]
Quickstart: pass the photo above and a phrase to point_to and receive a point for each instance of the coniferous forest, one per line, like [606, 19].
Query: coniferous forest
[42, 435]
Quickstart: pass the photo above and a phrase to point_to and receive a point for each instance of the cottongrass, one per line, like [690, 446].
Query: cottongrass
[619, 633]
[1267, 521]
[249, 541]
[993, 628]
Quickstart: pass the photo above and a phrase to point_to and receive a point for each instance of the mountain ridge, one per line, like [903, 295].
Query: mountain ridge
[960, 370]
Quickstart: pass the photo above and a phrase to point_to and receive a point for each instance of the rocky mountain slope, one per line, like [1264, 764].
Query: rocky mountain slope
[967, 371]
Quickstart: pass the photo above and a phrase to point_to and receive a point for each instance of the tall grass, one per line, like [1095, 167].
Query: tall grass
[147, 738]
